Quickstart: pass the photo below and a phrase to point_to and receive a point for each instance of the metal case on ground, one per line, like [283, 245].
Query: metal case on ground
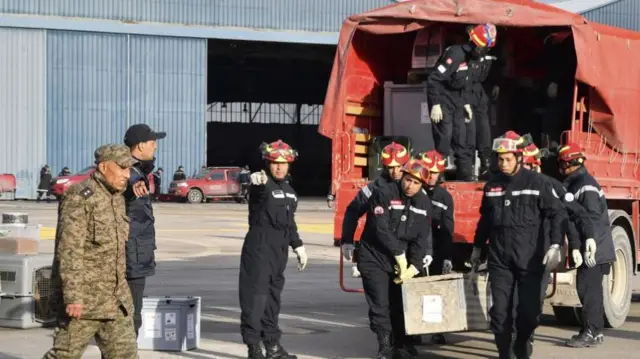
[170, 324]
[26, 288]
[446, 303]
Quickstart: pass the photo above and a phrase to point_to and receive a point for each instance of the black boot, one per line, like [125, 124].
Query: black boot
[585, 339]
[385, 351]
[276, 351]
[255, 352]
[522, 348]
[505, 349]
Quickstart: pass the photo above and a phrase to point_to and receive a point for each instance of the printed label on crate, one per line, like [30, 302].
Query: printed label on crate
[432, 309]
[170, 319]
[170, 335]
[152, 325]
[191, 327]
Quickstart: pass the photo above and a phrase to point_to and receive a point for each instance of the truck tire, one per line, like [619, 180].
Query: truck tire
[195, 196]
[617, 284]
[568, 316]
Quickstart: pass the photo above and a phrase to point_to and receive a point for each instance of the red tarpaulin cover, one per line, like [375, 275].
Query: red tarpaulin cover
[607, 56]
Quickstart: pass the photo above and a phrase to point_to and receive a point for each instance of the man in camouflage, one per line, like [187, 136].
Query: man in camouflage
[90, 291]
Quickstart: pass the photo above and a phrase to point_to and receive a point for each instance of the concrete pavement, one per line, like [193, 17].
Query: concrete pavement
[198, 255]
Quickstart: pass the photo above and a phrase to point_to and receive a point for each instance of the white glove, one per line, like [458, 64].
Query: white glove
[552, 258]
[302, 257]
[552, 90]
[436, 113]
[355, 273]
[426, 261]
[469, 117]
[590, 252]
[447, 266]
[577, 257]
[347, 251]
[258, 178]
[495, 92]
[475, 256]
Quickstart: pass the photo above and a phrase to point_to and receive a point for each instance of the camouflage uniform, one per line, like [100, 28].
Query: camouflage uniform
[89, 267]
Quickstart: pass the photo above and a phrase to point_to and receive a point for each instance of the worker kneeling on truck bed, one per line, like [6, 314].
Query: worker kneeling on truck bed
[515, 203]
[598, 251]
[272, 229]
[393, 157]
[397, 234]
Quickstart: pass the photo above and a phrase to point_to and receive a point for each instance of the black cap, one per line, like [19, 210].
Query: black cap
[141, 133]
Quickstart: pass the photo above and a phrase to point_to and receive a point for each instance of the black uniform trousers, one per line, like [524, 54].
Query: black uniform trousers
[386, 313]
[262, 266]
[483, 139]
[505, 281]
[452, 133]
[589, 285]
[136, 285]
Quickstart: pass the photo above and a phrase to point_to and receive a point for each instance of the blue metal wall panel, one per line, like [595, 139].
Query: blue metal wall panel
[168, 92]
[22, 107]
[301, 15]
[623, 13]
[86, 95]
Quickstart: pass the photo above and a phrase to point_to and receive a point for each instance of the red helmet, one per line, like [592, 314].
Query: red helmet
[418, 169]
[510, 142]
[434, 161]
[531, 155]
[394, 154]
[278, 151]
[484, 35]
[570, 152]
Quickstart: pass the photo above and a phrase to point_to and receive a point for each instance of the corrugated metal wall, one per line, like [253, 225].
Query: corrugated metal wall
[86, 95]
[99, 84]
[168, 92]
[308, 15]
[22, 107]
[623, 13]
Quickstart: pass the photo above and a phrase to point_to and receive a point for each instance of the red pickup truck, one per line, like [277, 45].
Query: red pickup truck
[210, 183]
[61, 184]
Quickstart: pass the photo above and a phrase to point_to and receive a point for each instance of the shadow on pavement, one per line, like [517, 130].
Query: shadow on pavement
[7, 356]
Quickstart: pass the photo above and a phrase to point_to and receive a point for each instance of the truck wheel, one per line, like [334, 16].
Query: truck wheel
[568, 316]
[195, 196]
[617, 284]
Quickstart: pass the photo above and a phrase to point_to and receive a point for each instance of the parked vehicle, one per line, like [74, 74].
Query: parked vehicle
[8, 185]
[604, 120]
[61, 184]
[210, 183]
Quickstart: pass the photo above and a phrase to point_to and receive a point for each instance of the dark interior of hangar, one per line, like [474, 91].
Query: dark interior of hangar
[264, 91]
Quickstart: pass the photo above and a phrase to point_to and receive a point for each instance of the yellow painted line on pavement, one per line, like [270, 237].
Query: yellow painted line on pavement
[48, 233]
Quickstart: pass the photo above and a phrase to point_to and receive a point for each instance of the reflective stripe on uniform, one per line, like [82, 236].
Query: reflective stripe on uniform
[366, 191]
[589, 188]
[494, 194]
[418, 210]
[397, 206]
[291, 195]
[526, 192]
[441, 205]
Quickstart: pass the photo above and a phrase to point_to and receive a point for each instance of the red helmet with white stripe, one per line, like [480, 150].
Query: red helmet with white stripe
[484, 35]
[278, 151]
[434, 161]
[531, 155]
[571, 152]
[394, 155]
[418, 169]
[510, 142]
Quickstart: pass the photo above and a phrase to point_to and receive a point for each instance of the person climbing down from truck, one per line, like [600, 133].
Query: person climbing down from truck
[514, 206]
[392, 157]
[598, 251]
[395, 241]
[446, 86]
[272, 228]
[578, 217]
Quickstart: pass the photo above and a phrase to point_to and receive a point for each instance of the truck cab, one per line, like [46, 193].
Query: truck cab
[378, 91]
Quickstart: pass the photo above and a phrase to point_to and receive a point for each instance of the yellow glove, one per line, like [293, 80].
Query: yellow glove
[408, 274]
[402, 265]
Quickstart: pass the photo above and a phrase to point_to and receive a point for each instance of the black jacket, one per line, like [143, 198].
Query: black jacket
[396, 224]
[359, 206]
[448, 81]
[441, 222]
[479, 69]
[45, 179]
[512, 213]
[588, 193]
[179, 176]
[142, 233]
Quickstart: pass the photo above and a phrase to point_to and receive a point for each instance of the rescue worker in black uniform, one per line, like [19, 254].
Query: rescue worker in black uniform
[179, 175]
[392, 158]
[65, 172]
[514, 206]
[396, 234]
[598, 251]
[272, 229]
[446, 87]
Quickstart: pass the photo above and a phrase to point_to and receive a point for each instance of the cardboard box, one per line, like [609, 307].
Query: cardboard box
[446, 303]
[19, 245]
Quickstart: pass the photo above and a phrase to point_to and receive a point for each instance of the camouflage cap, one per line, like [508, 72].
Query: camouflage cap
[120, 154]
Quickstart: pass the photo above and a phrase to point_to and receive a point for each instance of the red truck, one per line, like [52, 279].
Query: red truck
[210, 183]
[62, 183]
[375, 49]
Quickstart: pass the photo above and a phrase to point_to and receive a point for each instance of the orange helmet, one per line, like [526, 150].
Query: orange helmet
[571, 152]
[418, 169]
[510, 142]
[531, 155]
[278, 151]
[484, 35]
[434, 161]
[394, 154]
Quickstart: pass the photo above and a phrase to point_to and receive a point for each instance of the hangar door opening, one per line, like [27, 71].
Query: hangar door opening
[260, 92]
